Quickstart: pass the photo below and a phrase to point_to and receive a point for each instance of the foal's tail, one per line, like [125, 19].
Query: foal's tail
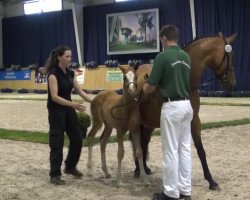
[97, 119]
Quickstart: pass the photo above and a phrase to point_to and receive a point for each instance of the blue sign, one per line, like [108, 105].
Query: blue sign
[15, 75]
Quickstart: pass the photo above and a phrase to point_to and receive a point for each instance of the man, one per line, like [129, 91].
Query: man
[170, 73]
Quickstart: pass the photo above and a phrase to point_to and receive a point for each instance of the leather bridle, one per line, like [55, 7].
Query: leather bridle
[228, 58]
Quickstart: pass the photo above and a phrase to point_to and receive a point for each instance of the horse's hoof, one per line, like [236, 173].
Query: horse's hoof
[136, 173]
[119, 184]
[214, 186]
[148, 171]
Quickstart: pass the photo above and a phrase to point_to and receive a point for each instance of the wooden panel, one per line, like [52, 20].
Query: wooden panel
[93, 79]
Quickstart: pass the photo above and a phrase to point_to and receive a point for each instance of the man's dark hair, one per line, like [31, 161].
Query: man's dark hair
[170, 32]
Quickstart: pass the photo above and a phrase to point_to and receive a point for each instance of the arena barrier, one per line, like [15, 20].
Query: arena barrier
[101, 78]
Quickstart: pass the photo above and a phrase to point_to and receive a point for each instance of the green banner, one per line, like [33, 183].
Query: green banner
[114, 75]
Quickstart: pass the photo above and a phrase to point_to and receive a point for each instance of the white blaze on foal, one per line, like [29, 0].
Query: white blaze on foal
[130, 76]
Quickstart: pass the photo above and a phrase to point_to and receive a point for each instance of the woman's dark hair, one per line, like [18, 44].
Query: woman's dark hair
[52, 60]
[170, 32]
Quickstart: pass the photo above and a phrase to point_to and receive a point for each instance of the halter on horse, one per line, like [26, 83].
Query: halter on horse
[225, 76]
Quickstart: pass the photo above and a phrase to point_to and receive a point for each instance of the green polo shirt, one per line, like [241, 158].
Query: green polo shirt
[171, 72]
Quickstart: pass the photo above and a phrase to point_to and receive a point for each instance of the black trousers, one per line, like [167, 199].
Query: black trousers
[63, 120]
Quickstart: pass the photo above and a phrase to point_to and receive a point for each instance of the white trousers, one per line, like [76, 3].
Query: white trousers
[176, 117]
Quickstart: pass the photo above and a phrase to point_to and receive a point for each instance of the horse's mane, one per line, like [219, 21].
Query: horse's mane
[198, 40]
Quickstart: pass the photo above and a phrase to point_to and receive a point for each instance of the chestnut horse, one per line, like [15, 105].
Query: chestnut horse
[214, 52]
[122, 113]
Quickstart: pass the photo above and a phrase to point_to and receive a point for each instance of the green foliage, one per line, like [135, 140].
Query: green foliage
[126, 32]
[131, 46]
[84, 120]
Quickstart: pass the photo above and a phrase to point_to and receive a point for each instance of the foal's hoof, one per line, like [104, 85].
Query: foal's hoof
[119, 184]
[214, 186]
[148, 171]
[108, 175]
[146, 182]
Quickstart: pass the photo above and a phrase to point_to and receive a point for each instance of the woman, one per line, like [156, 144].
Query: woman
[62, 114]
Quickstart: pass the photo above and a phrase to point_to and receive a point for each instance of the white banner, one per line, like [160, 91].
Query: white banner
[80, 72]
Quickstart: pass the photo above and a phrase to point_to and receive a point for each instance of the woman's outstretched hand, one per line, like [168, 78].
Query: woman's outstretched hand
[78, 106]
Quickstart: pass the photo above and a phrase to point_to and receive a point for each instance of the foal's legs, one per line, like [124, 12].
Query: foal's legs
[90, 138]
[120, 155]
[103, 143]
[138, 153]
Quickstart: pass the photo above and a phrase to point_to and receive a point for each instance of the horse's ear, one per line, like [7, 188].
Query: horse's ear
[231, 38]
[123, 69]
[136, 67]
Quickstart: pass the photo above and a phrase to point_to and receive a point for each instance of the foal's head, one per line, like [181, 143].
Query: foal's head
[130, 79]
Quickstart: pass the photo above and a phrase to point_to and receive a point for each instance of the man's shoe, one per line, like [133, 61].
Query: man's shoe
[75, 172]
[56, 180]
[185, 197]
[162, 196]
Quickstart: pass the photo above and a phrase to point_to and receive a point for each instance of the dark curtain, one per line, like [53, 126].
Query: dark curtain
[175, 12]
[29, 39]
[228, 17]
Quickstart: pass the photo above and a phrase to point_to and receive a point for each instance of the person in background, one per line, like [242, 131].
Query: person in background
[170, 73]
[62, 115]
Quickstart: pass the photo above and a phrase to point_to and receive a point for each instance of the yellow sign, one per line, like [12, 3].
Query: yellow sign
[114, 75]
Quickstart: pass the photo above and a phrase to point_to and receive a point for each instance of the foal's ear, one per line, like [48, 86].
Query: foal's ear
[231, 38]
[123, 69]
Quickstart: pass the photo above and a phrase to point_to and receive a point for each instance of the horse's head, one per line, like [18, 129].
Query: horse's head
[222, 61]
[130, 79]
[143, 73]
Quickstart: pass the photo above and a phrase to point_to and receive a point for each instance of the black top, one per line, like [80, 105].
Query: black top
[65, 86]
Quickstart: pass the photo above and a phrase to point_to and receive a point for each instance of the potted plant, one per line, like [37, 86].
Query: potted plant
[84, 121]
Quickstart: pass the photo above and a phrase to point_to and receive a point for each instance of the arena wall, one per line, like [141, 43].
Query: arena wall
[93, 79]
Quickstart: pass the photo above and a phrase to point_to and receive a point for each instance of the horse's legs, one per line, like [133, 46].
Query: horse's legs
[103, 143]
[196, 134]
[146, 134]
[138, 153]
[120, 155]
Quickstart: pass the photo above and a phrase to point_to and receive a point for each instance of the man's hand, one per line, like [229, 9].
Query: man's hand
[145, 86]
